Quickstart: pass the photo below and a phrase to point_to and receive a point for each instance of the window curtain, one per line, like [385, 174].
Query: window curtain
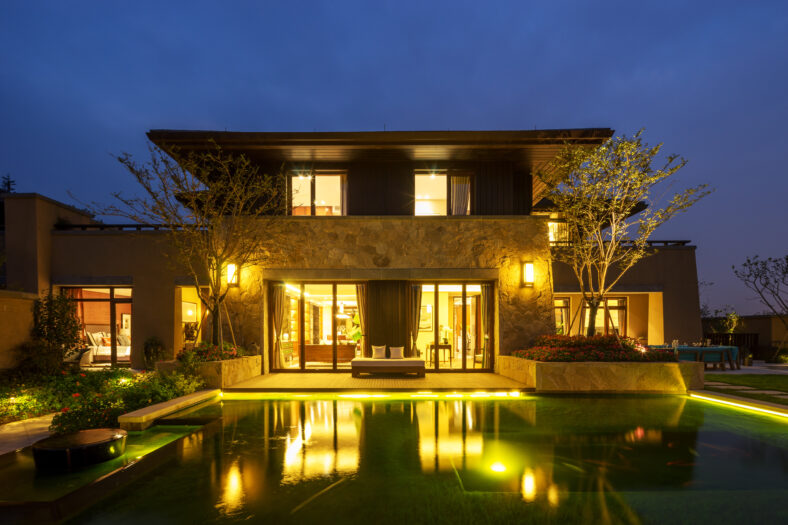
[278, 319]
[361, 300]
[486, 311]
[415, 317]
[460, 194]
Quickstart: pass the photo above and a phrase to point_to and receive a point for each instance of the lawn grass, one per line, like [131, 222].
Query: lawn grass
[757, 381]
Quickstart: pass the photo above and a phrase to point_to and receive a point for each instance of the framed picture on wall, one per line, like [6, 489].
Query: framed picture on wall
[425, 319]
[125, 323]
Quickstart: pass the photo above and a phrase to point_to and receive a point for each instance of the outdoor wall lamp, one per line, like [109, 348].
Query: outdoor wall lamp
[232, 274]
[528, 275]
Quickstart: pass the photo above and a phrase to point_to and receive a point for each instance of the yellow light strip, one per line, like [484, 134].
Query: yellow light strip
[740, 405]
[504, 395]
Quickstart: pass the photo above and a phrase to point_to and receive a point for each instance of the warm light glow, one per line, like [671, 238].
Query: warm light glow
[552, 495]
[739, 405]
[529, 485]
[528, 274]
[498, 467]
[232, 274]
[233, 492]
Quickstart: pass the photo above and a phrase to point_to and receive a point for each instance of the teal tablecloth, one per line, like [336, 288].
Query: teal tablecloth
[687, 353]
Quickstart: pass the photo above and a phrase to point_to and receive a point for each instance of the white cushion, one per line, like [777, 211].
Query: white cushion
[362, 362]
[378, 352]
[396, 352]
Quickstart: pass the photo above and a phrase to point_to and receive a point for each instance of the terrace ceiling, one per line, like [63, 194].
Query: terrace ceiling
[531, 149]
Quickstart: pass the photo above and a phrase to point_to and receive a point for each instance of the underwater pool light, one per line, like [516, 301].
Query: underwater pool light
[498, 467]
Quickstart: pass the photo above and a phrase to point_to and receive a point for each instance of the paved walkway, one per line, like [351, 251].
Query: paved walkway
[20, 434]
[758, 367]
[326, 382]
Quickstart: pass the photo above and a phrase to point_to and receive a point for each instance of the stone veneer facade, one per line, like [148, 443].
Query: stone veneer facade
[425, 248]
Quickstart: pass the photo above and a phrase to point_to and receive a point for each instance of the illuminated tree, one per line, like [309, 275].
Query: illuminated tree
[769, 279]
[605, 195]
[215, 205]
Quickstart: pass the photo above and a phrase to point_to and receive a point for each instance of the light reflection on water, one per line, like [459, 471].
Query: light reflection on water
[352, 458]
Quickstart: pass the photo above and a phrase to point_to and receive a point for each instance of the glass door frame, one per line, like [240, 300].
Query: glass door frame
[464, 339]
[301, 284]
[113, 331]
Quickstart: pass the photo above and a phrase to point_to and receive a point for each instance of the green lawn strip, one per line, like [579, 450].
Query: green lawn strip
[757, 381]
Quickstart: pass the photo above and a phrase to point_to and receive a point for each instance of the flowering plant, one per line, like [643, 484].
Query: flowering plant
[595, 348]
[208, 352]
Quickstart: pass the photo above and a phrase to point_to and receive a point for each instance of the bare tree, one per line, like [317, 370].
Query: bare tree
[600, 193]
[215, 205]
[769, 279]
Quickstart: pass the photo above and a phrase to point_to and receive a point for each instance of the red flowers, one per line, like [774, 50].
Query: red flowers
[81, 374]
[64, 409]
[596, 348]
[75, 394]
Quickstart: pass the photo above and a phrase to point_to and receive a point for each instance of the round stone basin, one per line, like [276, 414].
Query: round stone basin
[73, 451]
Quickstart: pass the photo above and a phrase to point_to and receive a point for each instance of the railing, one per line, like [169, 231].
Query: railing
[651, 244]
[114, 227]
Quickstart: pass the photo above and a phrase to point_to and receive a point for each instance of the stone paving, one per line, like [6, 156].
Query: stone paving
[20, 434]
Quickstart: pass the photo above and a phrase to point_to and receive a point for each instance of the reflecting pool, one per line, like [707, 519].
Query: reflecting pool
[660, 459]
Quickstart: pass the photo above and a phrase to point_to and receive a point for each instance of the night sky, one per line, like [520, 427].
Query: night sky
[84, 80]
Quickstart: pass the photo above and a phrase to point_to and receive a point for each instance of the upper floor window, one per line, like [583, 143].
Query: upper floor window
[442, 192]
[317, 193]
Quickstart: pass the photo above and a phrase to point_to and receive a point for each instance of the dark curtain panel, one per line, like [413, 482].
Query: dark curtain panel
[460, 194]
[387, 320]
[278, 320]
[361, 300]
[415, 316]
[486, 311]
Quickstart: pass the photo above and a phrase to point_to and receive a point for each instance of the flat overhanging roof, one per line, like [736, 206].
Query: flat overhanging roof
[531, 148]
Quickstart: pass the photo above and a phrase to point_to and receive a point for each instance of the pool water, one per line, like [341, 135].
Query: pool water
[660, 459]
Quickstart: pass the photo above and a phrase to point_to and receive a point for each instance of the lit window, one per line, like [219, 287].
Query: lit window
[317, 193]
[616, 322]
[561, 316]
[430, 193]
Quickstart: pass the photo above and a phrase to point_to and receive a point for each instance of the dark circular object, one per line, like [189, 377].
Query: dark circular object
[80, 449]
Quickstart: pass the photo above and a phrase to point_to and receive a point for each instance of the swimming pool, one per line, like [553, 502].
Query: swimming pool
[654, 459]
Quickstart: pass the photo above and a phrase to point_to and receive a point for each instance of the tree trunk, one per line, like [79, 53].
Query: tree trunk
[593, 307]
[216, 326]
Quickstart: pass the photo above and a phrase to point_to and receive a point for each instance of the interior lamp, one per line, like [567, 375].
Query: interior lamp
[528, 274]
[232, 274]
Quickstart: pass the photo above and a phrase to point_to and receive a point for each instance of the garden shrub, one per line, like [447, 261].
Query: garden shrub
[204, 352]
[55, 336]
[153, 350]
[596, 348]
[95, 400]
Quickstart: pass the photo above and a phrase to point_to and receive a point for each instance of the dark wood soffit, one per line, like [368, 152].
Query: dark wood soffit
[530, 147]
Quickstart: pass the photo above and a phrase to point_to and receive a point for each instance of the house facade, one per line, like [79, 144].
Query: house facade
[426, 240]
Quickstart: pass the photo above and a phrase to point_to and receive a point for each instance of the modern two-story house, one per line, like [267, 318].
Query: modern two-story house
[434, 241]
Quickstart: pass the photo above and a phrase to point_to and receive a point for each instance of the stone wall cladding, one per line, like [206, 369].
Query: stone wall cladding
[221, 374]
[436, 243]
[603, 377]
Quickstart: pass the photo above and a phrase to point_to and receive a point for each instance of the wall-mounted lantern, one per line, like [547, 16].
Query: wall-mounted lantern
[232, 274]
[527, 274]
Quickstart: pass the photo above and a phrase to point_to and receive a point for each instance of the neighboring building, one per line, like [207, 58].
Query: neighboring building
[767, 332]
[415, 239]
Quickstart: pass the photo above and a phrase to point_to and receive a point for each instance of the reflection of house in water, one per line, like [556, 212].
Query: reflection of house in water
[321, 438]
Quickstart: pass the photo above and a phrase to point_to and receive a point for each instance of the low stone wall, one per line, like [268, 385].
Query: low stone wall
[221, 374]
[16, 320]
[602, 377]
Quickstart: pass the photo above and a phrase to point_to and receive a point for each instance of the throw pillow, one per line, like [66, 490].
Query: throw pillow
[396, 352]
[378, 352]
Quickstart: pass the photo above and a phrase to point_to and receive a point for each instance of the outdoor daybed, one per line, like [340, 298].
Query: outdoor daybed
[368, 365]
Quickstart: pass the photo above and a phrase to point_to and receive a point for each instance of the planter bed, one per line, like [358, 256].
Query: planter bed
[602, 377]
[221, 374]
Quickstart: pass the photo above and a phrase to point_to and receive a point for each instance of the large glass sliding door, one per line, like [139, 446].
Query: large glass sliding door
[455, 326]
[314, 326]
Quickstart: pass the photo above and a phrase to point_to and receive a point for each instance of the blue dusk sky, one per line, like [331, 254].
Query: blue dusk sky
[84, 80]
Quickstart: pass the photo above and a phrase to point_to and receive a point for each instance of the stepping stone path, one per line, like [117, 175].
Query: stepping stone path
[769, 392]
[783, 396]
[715, 383]
[731, 387]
